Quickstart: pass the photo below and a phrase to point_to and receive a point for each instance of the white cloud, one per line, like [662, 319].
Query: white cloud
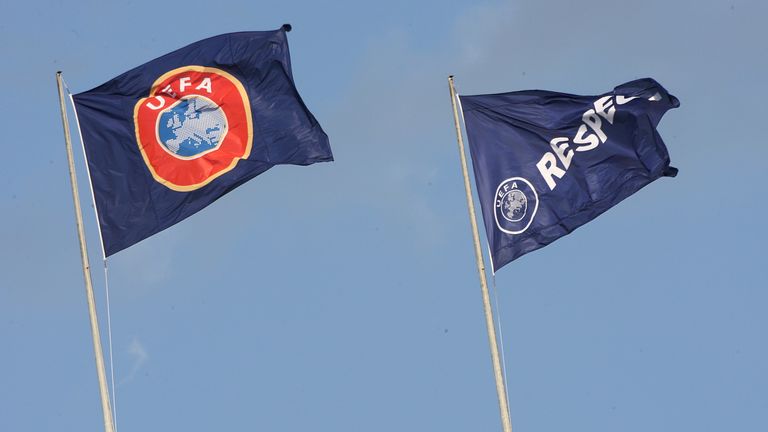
[139, 354]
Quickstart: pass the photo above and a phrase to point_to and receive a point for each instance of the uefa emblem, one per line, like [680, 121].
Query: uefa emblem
[515, 205]
[194, 126]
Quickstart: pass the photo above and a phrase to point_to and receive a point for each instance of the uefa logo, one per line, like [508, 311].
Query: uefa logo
[194, 126]
[515, 205]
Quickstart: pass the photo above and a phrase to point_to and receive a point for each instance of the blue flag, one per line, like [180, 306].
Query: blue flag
[546, 163]
[169, 137]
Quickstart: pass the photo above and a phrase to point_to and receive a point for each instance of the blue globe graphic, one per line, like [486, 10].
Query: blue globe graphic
[514, 205]
[193, 126]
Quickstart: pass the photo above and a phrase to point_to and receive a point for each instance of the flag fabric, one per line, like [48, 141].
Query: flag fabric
[168, 138]
[546, 163]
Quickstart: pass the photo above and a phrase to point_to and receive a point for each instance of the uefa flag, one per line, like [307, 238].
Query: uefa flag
[168, 138]
[546, 163]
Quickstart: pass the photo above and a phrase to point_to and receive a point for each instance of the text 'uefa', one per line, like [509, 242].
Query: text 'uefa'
[178, 87]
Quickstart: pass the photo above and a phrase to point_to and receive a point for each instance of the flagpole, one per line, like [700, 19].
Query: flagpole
[497, 372]
[100, 371]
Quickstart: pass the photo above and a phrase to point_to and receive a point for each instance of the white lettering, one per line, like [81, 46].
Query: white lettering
[183, 83]
[604, 107]
[593, 120]
[548, 167]
[621, 100]
[562, 151]
[161, 103]
[205, 84]
[589, 136]
[169, 91]
[590, 139]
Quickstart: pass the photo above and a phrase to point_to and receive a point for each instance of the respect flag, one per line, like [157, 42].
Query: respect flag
[546, 163]
[171, 136]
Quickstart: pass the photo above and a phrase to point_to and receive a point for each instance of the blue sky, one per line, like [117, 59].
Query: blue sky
[344, 296]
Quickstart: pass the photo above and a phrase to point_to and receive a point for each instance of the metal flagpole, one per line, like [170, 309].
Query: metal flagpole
[100, 371]
[497, 372]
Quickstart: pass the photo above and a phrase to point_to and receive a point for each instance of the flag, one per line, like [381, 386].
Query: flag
[166, 139]
[546, 163]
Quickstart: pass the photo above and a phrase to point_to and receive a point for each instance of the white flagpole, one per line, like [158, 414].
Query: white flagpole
[100, 371]
[497, 372]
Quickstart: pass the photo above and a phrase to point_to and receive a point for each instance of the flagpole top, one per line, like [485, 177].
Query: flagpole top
[286, 27]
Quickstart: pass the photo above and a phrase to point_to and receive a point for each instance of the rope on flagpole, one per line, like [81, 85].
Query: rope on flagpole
[501, 334]
[109, 337]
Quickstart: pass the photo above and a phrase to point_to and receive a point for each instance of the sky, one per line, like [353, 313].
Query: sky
[344, 296]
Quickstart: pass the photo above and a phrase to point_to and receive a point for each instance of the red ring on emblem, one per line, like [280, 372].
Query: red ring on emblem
[186, 173]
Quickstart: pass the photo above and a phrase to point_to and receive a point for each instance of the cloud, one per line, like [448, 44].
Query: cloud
[140, 357]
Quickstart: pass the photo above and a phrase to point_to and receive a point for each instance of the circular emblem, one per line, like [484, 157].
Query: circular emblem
[194, 126]
[516, 202]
